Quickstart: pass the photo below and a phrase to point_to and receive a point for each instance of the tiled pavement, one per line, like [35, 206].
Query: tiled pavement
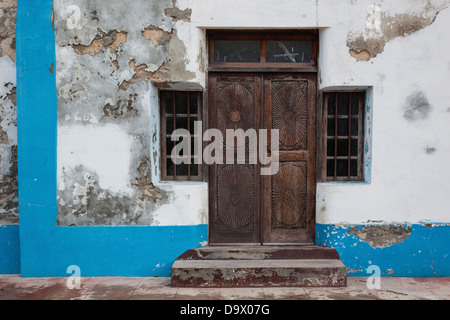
[13, 287]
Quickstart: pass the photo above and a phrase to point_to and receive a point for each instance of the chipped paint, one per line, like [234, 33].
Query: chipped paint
[401, 250]
[106, 65]
[144, 183]
[111, 40]
[384, 26]
[156, 35]
[8, 143]
[381, 236]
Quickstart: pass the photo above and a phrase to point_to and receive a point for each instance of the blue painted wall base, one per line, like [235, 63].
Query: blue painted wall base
[110, 251]
[424, 253]
[9, 249]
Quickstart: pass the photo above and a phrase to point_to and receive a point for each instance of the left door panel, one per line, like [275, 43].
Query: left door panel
[234, 189]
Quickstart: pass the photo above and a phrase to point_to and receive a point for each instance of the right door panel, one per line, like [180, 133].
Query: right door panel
[289, 195]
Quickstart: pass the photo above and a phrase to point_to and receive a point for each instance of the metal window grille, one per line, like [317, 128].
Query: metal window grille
[344, 135]
[179, 110]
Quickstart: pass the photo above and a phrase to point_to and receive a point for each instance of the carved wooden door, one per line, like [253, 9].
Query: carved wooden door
[288, 208]
[245, 206]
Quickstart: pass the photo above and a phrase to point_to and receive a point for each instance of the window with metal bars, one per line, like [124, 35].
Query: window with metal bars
[343, 135]
[179, 110]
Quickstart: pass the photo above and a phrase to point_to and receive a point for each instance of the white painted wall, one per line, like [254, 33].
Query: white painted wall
[407, 183]
[104, 149]
[253, 14]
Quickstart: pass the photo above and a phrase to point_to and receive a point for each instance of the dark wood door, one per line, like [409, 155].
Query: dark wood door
[245, 206]
[288, 208]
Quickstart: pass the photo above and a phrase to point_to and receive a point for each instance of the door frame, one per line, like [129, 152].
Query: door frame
[310, 70]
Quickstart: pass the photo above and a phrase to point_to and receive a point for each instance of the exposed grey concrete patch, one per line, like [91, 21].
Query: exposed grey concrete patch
[416, 107]
[123, 108]
[178, 14]
[381, 236]
[173, 70]
[82, 202]
[9, 190]
[371, 42]
[174, 65]
[105, 37]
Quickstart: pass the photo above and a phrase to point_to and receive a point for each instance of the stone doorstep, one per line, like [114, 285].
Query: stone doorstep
[259, 253]
[259, 273]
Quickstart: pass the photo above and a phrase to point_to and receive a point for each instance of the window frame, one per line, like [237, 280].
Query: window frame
[360, 136]
[164, 135]
[311, 35]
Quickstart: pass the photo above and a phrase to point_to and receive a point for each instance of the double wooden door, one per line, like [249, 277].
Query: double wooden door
[245, 206]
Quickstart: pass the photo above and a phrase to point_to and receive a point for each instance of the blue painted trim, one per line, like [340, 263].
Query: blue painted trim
[47, 250]
[9, 249]
[368, 129]
[425, 253]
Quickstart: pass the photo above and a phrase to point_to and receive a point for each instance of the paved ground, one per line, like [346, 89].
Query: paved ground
[13, 287]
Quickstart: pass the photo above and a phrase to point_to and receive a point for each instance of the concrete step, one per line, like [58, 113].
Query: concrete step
[259, 253]
[259, 273]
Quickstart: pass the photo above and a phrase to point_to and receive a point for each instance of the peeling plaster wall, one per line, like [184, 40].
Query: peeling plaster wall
[409, 151]
[112, 60]
[397, 219]
[8, 123]
[111, 56]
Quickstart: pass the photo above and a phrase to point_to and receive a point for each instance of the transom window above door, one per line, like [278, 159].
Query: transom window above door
[258, 49]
